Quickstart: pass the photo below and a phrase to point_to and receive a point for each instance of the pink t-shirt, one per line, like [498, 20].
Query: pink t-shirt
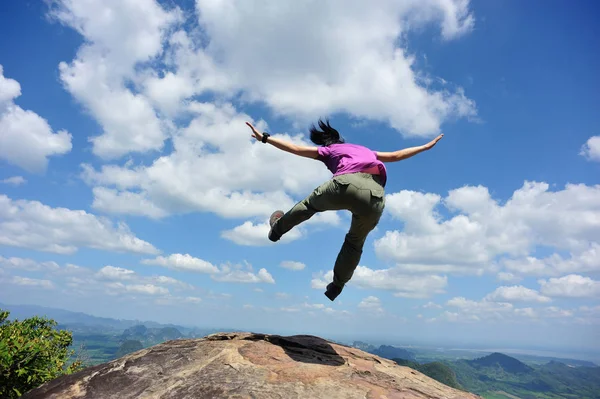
[350, 158]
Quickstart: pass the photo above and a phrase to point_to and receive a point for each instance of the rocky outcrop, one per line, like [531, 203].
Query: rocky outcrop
[247, 365]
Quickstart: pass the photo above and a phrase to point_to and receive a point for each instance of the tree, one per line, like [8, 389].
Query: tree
[31, 353]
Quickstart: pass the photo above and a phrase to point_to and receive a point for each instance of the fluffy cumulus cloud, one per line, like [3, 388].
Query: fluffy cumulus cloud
[402, 285]
[26, 139]
[486, 235]
[225, 273]
[292, 265]
[115, 273]
[137, 89]
[317, 72]
[572, 285]
[242, 274]
[587, 260]
[183, 262]
[591, 149]
[33, 225]
[214, 167]
[119, 35]
[516, 293]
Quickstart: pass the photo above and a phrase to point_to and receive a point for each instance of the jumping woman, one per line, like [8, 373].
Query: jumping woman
[357, 185]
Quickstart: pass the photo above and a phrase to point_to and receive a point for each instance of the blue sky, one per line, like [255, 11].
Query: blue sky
[131, 187]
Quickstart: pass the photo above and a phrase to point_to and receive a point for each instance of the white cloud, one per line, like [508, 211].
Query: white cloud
[490, 310]
[371, 304]
[32, 282]
[282, 295]
[526, 312]
[105, 64]
[549, 312]
[26, 139]
[591, 149]
[233, 184]
[125, 202]
[483, 230]
[33, 225]
[317, 71]
[251, 234]
[587, 260]
[14, 180]
[183, 262]
[470, 310]
[319, 283]
[508, 277]
[292, 265]
[136, 87]
[516, 293]
[146, 289]
[27, 264]
[115, 273]
[553, 311]
[403, 285]
[171, 281]
[432, 305]
[572, 285]
[235, 274]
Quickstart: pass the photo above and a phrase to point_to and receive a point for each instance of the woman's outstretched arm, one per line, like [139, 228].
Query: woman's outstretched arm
[301, 150]
[407, 152]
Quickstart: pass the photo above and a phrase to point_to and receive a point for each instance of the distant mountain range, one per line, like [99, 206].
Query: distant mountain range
[385, 351]
[83, 322]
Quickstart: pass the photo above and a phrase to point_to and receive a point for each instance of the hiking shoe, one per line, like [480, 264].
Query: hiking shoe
[275, 216]
[333, 291]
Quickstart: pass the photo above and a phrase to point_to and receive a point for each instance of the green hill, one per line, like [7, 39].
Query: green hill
[499, 360]
[437, 370]
[129, 346]
[501, 373]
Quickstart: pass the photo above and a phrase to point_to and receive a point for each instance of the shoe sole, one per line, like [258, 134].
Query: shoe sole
[275, 216]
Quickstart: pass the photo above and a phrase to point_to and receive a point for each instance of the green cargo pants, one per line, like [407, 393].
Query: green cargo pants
[360, 193]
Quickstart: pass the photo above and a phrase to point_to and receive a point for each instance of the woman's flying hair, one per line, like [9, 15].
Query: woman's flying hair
[326, 136]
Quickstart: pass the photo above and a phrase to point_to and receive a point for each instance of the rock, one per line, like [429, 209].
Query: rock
[248, 365]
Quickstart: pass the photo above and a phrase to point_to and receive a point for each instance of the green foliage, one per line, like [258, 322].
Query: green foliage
[437, 370]
[31, 353]
[551, 381]
[440, 372]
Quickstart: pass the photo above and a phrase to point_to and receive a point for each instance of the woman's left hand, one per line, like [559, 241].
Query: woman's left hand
[255, 133]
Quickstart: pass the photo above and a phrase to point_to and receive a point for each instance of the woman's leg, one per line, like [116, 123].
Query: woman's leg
[367, 201]
[326, 197]
[352, 248]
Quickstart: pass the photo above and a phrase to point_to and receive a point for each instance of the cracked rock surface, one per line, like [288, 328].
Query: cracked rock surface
[248, 365]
